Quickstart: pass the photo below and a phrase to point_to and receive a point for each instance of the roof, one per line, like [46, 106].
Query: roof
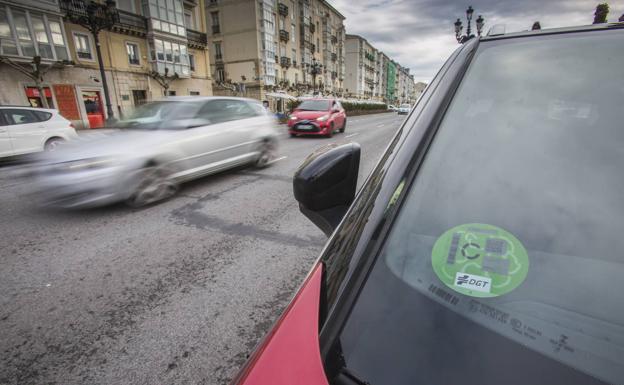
[552, 31]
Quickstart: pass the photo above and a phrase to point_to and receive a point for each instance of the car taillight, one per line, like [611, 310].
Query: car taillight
[290, 352]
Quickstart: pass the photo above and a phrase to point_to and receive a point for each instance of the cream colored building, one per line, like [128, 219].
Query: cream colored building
[137, 45]
[258, 46]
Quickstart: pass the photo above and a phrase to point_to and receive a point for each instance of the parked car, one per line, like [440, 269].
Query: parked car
[486, 245]
[393, 108]
[25, 130]
[404, 109]
[163, 144]
[317, 117]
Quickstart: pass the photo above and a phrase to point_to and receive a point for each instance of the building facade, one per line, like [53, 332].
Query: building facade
[151, 37]
[258, 46]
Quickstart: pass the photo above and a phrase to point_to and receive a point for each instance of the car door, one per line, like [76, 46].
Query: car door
[26, 131]
[6, 148]
[233, 123]
[337, 114]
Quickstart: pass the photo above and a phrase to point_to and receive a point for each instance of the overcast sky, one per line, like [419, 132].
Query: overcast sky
[419, 34]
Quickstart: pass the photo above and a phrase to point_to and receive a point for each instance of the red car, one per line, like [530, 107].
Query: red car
[485, 247]
[317, 117]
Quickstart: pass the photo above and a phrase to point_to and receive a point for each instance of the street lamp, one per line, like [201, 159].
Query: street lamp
[95, 17]
[316, 68]
[459, 27]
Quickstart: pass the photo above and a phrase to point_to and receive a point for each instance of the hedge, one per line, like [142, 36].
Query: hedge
[351, 105]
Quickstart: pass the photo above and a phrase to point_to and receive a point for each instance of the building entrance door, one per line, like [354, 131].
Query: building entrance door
[94, 108]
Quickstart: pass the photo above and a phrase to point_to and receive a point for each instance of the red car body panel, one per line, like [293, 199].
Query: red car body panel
[290, 353]
[336, 118]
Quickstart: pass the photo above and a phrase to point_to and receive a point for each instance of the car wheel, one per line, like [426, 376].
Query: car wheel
[52, 144]
[292, 135]
[267, 154]
[331, 130]
[344, 125]
[155, 184]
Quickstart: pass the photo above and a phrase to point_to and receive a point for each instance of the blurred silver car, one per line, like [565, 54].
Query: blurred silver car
[162, 144]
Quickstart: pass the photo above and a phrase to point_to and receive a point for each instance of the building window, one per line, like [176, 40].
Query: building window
[189, 19]
[172, 93]
[83, 46]
[293, 33]
[133, 53]
[294, 56]
[217, 51]
[192, 62]
[220, 74]
[214, 18]
[174, 56]
[126, 5]
[167, 16]
[194, 93]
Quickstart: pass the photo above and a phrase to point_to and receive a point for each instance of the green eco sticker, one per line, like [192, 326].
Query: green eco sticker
[480, 260]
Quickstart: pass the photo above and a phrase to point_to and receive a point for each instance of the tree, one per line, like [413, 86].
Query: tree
[600, 16]
[36, 72]
[164, 80]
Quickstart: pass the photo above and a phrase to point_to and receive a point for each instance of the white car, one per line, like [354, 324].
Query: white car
[163, 144]
[25, 130]
[392, 108]
[404, 109]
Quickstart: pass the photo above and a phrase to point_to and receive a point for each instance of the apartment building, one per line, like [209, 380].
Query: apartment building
[151, 38]
[371, 74]
[294, 46]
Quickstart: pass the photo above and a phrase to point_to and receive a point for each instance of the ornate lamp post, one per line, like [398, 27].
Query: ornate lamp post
[461, 39]
[95, 17]
[316, 68]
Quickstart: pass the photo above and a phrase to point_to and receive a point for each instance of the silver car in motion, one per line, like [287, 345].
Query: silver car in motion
[161, 145]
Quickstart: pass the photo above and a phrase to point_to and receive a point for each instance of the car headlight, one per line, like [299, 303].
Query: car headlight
[323, 118]
[293, 118]
[90, 163]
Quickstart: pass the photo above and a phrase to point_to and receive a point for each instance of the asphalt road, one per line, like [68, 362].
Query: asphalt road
[177, 293]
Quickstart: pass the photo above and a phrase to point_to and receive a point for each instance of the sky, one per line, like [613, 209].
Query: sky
[419, 34]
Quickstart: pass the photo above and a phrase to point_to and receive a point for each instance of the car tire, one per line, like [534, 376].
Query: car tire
[155, 185]
[344, 125]
[292, 135]
[330, 133]
[52, 144]
[267, 154]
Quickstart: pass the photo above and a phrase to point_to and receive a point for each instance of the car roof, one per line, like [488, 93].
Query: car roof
[551, 31]
[50, 110]
[194, 98]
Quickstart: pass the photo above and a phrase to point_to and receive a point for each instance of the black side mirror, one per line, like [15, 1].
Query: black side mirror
[325, 184]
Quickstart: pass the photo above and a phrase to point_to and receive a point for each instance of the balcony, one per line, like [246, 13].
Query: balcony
[282, 9]
[284, 62]
[284, 35]
[216, 29]
[196, 39]
[128, 23]
[334, 57]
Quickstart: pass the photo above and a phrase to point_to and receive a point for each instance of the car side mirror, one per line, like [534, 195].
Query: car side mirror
[335, 109]
[325, 184]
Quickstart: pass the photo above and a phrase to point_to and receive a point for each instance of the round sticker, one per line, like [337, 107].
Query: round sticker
[480, 260]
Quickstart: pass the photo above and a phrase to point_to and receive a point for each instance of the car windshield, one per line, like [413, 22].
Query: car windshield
[161, 115]
[505, 262]
[405, 106]
[314, 105]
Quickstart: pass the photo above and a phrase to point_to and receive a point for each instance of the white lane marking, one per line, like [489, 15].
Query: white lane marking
[277, 159]
[380, 125]
[351, 135]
